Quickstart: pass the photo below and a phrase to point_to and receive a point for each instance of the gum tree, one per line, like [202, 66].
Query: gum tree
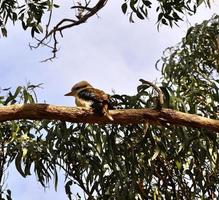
[152, 150]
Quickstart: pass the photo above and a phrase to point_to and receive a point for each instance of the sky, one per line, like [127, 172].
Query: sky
[107, 51]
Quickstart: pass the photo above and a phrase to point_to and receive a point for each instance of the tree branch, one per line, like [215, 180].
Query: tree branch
[160, 100]
[67, 23]
[126, 116]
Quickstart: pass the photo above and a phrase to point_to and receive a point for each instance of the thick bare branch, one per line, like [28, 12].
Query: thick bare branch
[128, 116]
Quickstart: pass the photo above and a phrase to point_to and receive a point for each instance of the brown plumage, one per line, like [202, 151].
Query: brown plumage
[89, 97]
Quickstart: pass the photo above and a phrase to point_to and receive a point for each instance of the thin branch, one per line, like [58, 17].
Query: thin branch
[60, 26]
[54, 49]
[82, 7]
[49, 20]
[160, 101]
[126, 116]
[83, 19]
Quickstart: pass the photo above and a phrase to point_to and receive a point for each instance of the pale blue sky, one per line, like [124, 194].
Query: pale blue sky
[108, 51]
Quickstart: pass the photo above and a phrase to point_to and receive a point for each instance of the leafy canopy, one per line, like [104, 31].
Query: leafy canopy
[38, 15]
[127, 162]
[31, 13]
[115, 161]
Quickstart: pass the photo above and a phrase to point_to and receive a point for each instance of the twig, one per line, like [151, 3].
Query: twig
[60, 26]
[160, 101]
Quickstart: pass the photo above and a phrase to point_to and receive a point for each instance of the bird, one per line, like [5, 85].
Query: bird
[89, 97]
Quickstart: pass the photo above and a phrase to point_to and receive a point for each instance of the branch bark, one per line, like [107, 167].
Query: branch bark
[128, 116]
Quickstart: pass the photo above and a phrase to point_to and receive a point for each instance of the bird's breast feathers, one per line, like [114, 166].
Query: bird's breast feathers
[82, 103]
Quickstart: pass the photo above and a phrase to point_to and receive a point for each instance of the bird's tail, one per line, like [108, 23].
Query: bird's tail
[106, 112]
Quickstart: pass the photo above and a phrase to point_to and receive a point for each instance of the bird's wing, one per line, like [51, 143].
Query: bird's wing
[100, 100]
[93, 94]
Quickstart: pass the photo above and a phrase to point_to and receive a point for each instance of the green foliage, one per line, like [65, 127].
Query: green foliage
[129, 162]
[169, 12]
[116, 161]
[15, 135]
[190, 79]
[190, 70]
[31, 13]
[81, 150]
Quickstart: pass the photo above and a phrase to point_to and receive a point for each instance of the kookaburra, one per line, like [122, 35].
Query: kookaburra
[89, 97]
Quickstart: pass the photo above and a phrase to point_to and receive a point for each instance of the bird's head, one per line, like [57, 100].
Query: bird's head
[78, 87]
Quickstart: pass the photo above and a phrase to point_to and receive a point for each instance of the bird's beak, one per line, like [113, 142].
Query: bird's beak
[70, 94]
